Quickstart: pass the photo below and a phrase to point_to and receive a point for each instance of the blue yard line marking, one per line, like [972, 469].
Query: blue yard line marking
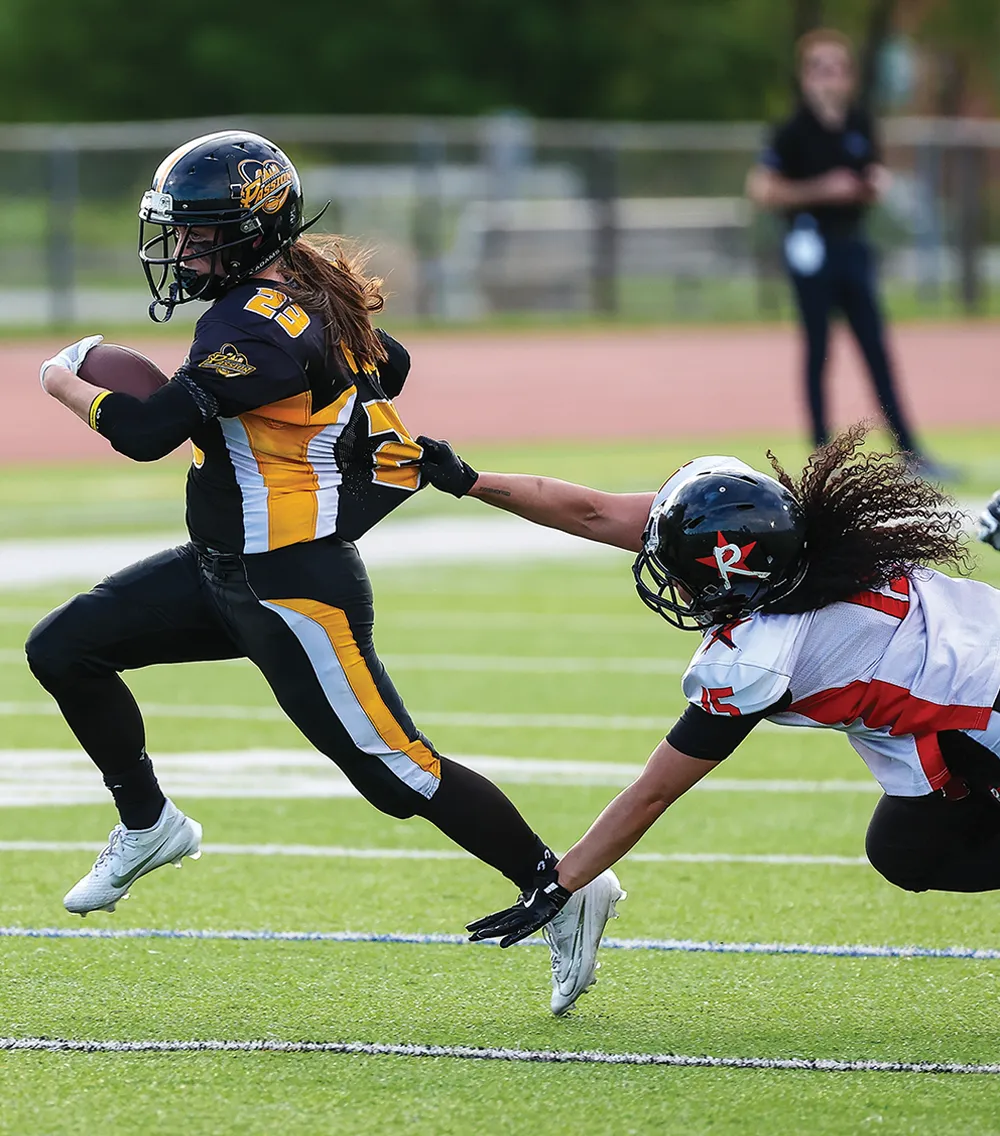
[693, 946]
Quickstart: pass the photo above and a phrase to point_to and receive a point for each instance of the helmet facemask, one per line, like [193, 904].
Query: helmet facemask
[167, 255]
[682, 604]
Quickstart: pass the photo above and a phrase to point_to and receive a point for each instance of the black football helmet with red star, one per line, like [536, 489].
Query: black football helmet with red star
[723, 545]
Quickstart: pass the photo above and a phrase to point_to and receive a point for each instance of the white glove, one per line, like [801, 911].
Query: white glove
[989, 523]
[70, 357]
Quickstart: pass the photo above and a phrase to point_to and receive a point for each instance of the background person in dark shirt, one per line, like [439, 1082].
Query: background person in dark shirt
[823, 170]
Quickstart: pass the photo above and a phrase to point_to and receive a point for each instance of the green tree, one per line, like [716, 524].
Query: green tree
[111, 59]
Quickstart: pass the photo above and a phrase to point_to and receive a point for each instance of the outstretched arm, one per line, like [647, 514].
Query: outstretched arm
[609, 518]
[668, 775]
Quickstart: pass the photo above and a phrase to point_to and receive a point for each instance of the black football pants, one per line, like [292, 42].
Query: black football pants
[304, 616]
[932, 843]
[846, 282]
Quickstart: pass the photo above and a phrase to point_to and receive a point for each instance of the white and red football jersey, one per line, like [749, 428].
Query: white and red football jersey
[888, 668]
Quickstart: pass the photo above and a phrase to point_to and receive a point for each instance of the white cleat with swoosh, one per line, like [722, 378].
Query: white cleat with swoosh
[132, 853]
[574, 936]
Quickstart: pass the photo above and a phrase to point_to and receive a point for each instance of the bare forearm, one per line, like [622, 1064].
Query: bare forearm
[610, 518]
[668, 775]
[544, 500]
[774, 192]
[616, 831]
[72, 392]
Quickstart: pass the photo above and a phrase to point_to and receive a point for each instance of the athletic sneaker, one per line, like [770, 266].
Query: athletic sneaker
[574, 936]
[131, 853]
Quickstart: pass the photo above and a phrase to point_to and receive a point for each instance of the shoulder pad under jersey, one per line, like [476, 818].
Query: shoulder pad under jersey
[741, 667]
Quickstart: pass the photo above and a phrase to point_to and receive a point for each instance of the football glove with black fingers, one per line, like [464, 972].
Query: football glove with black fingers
[530, 914]
[989, 523]
[444, 469]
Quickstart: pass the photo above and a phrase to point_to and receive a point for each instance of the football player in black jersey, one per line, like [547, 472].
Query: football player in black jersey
[822, 169]
[286, 397]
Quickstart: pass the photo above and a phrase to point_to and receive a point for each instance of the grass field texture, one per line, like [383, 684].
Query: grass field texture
[556, 648]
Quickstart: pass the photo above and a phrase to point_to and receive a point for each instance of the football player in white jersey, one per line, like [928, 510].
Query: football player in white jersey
[816, 607]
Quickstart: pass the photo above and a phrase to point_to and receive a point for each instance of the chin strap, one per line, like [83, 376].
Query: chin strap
[168, 304]
[309, 224]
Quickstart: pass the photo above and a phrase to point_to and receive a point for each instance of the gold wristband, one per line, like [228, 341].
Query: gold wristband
[92, 415]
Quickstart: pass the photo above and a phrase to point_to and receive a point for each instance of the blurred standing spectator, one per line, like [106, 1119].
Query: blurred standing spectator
[822, 169]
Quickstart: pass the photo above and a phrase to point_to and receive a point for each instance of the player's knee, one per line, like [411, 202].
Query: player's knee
[897, 866]
[397, 800]
[381, 788]
[49, 650]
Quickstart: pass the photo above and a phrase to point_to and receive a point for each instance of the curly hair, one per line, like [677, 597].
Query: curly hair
[868, 520]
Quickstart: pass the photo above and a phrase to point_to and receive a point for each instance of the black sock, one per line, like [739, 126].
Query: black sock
[137, 794]
[481, 819]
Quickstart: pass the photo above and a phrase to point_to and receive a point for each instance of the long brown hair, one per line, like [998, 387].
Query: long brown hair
[868, 520]
[326, 277]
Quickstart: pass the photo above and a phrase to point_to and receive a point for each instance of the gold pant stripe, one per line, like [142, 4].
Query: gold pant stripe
[338, 630]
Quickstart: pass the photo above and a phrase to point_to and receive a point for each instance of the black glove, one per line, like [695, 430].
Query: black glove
[444, 469]
[531, 912]
[989, 523]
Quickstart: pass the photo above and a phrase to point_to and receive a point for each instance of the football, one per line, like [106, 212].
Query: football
[121, 369]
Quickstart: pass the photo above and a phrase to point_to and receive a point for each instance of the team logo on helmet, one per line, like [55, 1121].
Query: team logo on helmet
[266, 185]
[731, 560]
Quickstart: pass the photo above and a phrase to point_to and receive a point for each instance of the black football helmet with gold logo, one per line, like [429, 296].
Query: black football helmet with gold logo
[234, 182]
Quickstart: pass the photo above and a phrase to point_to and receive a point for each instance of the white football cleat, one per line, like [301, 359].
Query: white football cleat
[132, 853]
[574, 936]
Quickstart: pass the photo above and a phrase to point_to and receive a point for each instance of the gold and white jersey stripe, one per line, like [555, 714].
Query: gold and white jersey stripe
[284, 459]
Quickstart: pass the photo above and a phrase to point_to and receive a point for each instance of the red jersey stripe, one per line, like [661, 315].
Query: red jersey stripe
[891, 605]
[881, 704]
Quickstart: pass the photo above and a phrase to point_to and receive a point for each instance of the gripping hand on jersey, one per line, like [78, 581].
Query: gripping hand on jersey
[71, 357]
[444, 469]
[989, 523]
[530, 914]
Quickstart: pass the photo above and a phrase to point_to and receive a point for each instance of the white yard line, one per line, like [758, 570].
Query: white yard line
[424, 540]
[514, 664]
[49, 777]
[471, 719]
[598, 622]
[335, 852]
[491, 1053]
[537, 664]
[602, 622]
[470, 1053]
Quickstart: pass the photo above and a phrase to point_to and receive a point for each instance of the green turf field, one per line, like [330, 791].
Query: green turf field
[549, 651]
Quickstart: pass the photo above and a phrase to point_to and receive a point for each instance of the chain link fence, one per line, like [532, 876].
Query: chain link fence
[478, 218]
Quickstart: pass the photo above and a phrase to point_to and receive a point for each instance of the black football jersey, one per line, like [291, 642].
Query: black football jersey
[300, 441]
[804, 148]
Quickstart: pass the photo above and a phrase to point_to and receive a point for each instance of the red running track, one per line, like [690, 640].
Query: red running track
[665, 382]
